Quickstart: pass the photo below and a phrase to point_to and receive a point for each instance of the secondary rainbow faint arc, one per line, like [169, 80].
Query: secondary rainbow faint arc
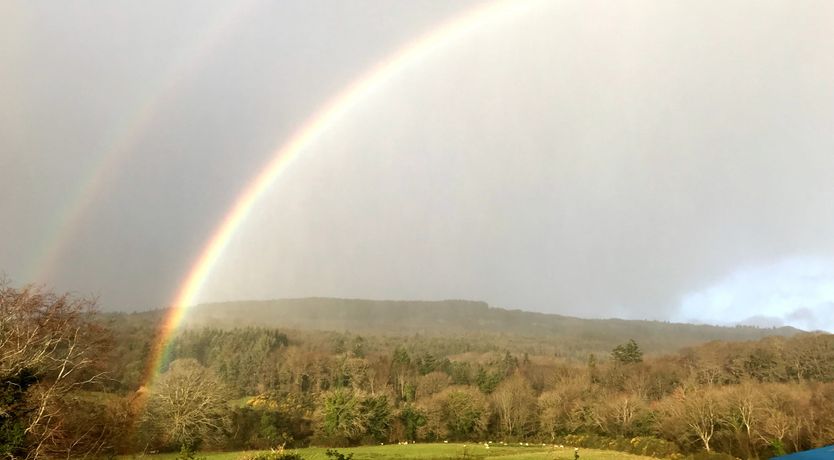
[68, 220]
[316, 125]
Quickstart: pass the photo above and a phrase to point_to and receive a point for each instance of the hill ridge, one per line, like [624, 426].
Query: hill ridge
[462, 317]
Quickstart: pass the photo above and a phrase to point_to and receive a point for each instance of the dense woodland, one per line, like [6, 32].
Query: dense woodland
[71, 382]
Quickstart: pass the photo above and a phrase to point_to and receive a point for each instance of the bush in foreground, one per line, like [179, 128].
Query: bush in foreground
[275, 455]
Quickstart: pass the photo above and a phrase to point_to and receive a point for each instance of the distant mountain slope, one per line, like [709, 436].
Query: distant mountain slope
[464, 318]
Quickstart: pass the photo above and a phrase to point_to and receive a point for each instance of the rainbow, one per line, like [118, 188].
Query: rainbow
[288, 152]
[66, 223]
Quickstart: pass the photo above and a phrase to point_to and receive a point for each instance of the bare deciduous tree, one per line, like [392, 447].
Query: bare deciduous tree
[515, 403]
[431, 383]
[744, 413]
[188, 404]
[698, 410]
[49, 347]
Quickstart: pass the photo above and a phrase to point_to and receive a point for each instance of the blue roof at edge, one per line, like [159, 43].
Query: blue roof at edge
[813, 454]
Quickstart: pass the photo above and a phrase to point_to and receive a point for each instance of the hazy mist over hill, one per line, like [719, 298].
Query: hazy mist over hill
[460, 318]
[660, 160]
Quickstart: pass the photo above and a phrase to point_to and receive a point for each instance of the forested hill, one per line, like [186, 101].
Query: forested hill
[459, 317]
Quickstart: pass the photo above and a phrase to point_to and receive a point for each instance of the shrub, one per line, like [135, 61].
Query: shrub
[187, 452]
[641, 445]
[710, 456]
[336, 455]
[273, 455]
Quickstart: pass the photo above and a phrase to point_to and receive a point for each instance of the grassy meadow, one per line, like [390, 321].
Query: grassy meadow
[432, 451]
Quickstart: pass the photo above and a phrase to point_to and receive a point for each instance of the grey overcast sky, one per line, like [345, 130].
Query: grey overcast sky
[637, 159]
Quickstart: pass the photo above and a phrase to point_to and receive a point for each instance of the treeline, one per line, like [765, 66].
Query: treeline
[747, 399]
[70, 385]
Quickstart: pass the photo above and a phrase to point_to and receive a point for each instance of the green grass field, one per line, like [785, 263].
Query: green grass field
[436, 451]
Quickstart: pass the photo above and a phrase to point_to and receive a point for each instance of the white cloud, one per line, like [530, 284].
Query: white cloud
[797, 292]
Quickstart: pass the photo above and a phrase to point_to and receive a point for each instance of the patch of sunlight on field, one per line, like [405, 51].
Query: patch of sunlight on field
[432, 451]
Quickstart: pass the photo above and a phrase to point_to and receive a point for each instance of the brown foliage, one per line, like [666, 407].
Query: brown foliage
[188, 405]
[515, 404]
[54, 339]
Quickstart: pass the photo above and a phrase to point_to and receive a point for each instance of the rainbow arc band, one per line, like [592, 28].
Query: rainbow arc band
[327, 116]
